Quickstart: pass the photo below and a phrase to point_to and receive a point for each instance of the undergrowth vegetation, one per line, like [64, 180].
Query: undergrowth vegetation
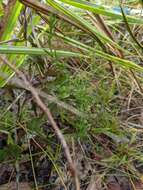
[83, 60]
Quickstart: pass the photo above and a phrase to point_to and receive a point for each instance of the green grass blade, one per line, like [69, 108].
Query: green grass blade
[12, 57]
[92, 51]
[12, 21]
[37, 51]
[1, 9]
[130, 31]
[96, 9]
[7, 34]
[82, 22]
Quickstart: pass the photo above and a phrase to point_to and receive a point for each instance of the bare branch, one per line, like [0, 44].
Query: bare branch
[18, 83]
[46, 110]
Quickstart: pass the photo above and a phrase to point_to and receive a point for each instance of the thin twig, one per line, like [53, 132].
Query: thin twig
[46, 110]
[18, 83]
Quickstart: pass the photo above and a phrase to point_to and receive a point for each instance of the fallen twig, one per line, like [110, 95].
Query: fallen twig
[18, 83]
[46, 110]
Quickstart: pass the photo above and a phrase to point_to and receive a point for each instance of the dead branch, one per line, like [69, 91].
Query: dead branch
[46, 110]
[18, 83]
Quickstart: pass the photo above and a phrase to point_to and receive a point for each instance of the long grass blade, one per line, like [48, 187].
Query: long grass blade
[130, 31]
[12, 20]
[37, 51]
[100, 10]
[92, 51]
[8, 35]
[82, 22]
